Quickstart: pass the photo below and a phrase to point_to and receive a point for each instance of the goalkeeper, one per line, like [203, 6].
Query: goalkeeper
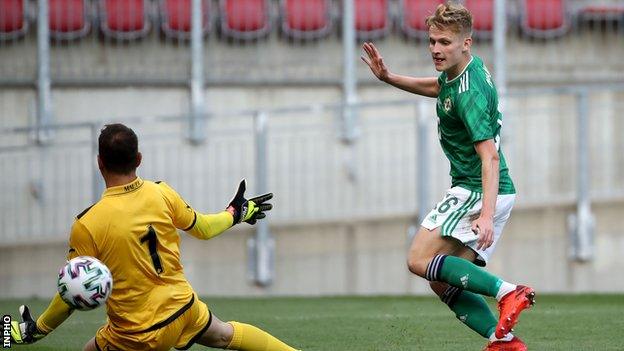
[133, 230]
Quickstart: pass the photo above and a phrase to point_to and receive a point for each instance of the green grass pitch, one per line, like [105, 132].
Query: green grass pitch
[558, 322]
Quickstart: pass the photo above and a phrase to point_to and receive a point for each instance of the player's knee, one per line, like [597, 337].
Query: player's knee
[225, 334]
[416, 266]
[438, 287]
[218, 335]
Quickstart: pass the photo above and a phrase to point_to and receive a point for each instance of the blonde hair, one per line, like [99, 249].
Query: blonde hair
[451, 16]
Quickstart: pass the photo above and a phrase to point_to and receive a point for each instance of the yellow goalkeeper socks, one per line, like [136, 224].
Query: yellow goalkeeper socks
[249, 338]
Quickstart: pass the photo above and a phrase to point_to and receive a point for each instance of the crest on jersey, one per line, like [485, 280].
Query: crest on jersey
[447, 104]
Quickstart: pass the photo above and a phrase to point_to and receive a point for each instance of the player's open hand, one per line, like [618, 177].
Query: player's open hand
[484, 228]
[375, 62]
[248, 210]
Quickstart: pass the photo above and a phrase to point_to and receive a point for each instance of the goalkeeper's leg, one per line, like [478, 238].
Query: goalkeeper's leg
[240, 336]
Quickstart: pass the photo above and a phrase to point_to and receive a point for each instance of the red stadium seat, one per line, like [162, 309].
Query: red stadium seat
[245, 19]
[413, 15]
[482, 17]
[176, 18]
[305, 19]
[371, 19]
[124, 19]
[68, 19]
[13, 22]
[544, 18]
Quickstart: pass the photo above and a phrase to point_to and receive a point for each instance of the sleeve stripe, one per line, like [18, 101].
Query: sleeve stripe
[84, 212]
[192, 224]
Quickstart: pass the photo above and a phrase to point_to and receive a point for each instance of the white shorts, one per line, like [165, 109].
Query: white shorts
[456, 212]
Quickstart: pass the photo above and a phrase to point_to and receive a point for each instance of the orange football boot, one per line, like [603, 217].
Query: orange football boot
[514, 344]
[510, 307]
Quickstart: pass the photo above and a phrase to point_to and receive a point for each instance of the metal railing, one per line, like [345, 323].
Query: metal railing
[154, 45]
[315, 176]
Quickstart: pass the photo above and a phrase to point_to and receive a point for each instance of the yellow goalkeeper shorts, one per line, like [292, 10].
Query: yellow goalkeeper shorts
[180, 333]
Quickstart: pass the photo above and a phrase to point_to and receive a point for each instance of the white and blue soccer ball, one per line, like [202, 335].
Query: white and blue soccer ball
[85, 283]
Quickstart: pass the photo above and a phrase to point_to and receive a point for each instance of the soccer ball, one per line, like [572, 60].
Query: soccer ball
[84, 283]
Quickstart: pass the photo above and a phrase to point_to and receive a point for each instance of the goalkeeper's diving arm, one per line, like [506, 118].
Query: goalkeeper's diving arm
[28, 331]
[240, 209]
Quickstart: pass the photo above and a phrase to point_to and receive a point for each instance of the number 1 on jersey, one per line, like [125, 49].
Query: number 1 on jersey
[152, 245]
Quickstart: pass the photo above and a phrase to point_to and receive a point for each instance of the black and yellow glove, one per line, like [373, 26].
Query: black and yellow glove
[25, 332]
[248, 210]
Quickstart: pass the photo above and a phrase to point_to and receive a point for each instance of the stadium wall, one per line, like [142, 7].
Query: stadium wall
[334, 234]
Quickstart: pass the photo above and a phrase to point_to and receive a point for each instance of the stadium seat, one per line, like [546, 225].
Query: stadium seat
[482, 17]
[124, 19]
[371, 19]
[13, 20]
[305, 19]
[244, 19]
[176, 18]
[413, 14]
[544, 18]
[68, 19]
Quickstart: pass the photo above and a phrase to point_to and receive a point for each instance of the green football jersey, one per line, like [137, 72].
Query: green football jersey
[467, 109]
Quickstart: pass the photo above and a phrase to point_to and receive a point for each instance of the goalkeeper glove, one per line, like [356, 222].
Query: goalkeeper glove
[248, 210]
[25, 332]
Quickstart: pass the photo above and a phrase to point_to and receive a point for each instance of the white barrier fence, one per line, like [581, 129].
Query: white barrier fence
[314, 175]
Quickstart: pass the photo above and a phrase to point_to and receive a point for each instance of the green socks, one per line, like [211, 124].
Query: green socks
[462, 274]
[471, 309]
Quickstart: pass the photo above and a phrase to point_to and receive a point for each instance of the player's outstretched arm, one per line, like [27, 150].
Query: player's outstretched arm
[29, 331]
[240, 209]
[427, 86]
[25, 332]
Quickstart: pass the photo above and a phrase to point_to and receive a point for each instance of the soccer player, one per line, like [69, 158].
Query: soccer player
[461, 232]
[133, 229]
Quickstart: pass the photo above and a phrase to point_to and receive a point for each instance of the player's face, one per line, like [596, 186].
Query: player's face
[448, 49]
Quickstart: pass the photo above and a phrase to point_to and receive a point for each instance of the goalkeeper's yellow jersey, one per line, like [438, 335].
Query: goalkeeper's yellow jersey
[133, 230]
